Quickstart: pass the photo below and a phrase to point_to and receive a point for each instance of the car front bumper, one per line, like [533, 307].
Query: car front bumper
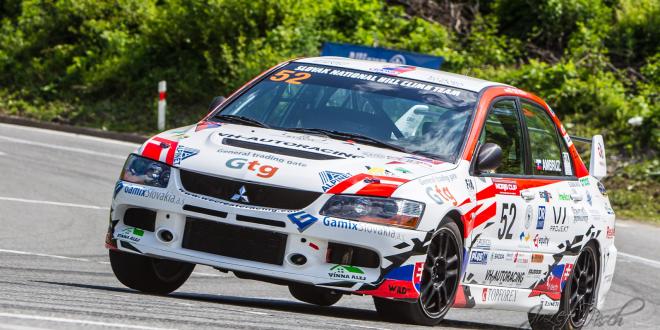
[340, 254]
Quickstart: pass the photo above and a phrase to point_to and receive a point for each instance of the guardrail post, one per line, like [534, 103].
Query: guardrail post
[162, 104]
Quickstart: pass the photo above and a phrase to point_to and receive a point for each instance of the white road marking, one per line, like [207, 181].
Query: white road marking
[649, 262]
[19, 327]
[58, 147]
[44, 255]
[622, 225]
[67, 134]
[34, 201]
[2, 153]
[77, 321]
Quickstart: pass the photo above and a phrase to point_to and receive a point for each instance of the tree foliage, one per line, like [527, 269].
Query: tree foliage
[97, 63]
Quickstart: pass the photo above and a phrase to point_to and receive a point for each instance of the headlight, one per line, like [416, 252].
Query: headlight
[387, 211]
[145, 171]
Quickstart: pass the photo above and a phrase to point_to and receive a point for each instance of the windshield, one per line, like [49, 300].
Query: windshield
[414, 116]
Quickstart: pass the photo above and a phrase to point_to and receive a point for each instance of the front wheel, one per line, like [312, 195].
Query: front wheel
[578, 297]
[438, 285]
[150, 275]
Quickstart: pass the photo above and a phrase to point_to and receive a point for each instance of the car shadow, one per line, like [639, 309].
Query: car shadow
[280, 305]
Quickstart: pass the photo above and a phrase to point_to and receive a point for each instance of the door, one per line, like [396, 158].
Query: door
[498, 254]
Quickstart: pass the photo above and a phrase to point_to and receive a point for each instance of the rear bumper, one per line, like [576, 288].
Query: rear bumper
[382, 260]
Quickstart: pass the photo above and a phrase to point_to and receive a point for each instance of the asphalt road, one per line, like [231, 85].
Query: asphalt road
[55, 189]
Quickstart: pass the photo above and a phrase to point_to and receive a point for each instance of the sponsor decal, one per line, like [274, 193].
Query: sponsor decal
[347, 272]
[589, 200]
[263, 171]
[438, 179]
[506, 187]
[560, 220]
[565, 197]
[528, 216]
[482, 243]
[610, 232]
[206, 125]
[545, 195]
[535, 272]
[329, 179]
[379, 171]
[403, 170]
[361, 227]
[497, 256]
[440, 195]
[541, 241]
[540, 221]
[182, 153]
[302, 220]
[568, 170]
[131, 234]
[584, 181]
[520, 258]
[394, 70]
[550, 165]
[524, 236]
[164, 196]
[580, 215]
[498, 295]
[295, 145]
[504, 276]
[479, 257]
[537, 258]
[469, 185]
[417, 275]
[118, 186]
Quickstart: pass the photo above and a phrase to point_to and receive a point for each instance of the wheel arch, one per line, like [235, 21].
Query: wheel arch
[455, 216]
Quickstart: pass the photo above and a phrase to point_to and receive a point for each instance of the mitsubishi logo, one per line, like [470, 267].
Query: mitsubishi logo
[241, 196]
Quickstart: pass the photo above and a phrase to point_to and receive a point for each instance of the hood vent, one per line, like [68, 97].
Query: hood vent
[278, 150]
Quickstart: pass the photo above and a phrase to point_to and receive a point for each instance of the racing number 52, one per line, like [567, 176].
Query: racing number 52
[505, 231]
[285, 75]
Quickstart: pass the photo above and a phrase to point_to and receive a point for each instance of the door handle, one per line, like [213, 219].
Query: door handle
[527, 194]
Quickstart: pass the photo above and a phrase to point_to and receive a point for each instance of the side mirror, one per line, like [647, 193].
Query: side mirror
[216, 102]
[489, 158]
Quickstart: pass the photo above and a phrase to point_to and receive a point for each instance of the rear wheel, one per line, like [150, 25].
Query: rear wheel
[438, 285]
[150, 275]
[578, 297]
[314, 295]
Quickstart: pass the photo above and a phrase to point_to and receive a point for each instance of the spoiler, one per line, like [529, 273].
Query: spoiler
[597, 161]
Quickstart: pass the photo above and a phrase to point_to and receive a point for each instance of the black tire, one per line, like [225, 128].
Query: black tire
[439, 282]
[150, 275]
[578, 297]
[314, 295]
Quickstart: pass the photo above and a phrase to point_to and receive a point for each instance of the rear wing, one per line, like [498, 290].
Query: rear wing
[596, 154]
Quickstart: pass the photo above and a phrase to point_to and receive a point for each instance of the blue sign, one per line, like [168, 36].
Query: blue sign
[381, 55]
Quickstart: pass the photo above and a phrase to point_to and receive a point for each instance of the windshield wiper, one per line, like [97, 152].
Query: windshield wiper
[242, 120]
[350, 136]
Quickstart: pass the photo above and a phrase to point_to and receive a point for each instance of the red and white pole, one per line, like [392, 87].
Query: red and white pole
[162, 104]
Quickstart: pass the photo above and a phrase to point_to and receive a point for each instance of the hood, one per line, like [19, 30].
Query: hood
[296, 160]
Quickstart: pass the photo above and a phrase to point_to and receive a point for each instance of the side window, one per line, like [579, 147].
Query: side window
[503, 128]
[546, 152]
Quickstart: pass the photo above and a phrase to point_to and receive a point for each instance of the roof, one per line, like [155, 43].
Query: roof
[405, 71]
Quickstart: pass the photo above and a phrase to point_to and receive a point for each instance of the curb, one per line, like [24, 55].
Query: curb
[128, 137]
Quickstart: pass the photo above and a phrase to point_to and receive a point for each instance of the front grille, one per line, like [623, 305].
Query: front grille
[257, 194]
[234, 241]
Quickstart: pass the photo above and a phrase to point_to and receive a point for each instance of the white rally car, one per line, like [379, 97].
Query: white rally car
[424, 189]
